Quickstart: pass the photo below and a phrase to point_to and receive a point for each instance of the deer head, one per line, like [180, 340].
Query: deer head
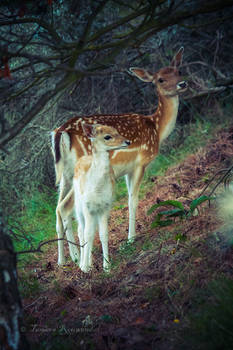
[167, 80]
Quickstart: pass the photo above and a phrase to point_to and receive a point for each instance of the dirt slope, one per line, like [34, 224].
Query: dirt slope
[144, 301]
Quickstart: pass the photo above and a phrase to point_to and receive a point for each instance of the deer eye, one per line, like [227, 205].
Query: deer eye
[161, 80]
[108, 137]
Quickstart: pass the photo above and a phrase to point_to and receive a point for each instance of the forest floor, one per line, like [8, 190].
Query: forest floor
[155, 285]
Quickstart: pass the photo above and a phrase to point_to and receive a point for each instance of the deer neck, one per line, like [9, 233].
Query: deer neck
[100, 160]
[165, 115]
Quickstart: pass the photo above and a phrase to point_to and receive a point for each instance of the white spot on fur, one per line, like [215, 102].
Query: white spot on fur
[78, 122]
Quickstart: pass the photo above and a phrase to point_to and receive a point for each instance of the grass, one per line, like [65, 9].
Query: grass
[35, 221]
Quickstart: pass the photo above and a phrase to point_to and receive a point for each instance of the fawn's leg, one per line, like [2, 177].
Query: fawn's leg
[103, 232]
[81, 227]
[89, 234]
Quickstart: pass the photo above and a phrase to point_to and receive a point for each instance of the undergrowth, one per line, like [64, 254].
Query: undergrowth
[34, 223]
[211, 322]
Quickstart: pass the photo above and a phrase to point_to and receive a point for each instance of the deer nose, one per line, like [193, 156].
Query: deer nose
[127, 142]
[182, 85]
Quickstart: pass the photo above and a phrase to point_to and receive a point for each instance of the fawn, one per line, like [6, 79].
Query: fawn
[93, 187]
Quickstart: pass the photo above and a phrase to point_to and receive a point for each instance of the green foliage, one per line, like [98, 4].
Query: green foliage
[106, 318]
[179, 211]
[63, 313]
[211, 327]
[147, 244]
[121, 189]
[35, 222]
[127, 249]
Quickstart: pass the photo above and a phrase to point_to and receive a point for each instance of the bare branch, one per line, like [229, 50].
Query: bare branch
[38, 249]
[17, 128]
[203, 93]
[35, 20]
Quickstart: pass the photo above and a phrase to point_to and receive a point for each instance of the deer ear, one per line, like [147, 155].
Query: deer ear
[142, 74]
[89, 129]
[177, 59]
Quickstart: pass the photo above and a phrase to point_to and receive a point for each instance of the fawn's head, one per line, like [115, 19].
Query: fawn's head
[168, 80]
[104, 138]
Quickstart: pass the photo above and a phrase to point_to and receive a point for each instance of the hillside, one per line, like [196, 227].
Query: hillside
[156, 286]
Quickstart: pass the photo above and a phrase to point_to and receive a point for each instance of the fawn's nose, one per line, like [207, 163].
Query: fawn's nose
[182, 85]
[127, 142]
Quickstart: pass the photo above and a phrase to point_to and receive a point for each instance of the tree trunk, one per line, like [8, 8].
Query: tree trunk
[11, 321]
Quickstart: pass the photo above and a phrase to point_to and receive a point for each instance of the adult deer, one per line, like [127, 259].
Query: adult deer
[146, 132]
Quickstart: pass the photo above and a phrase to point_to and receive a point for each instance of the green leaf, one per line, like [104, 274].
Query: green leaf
[194, 204]
[173, 212]
[174, 203]
[180, 237]
[161, 223]
[106, 318]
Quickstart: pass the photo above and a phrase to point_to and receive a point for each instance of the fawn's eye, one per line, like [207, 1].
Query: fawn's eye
[108, 137]
[161, 80]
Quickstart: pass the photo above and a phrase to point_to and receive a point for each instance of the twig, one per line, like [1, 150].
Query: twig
[211, 180]
[34, 302]
[224, 178]
[38, 249]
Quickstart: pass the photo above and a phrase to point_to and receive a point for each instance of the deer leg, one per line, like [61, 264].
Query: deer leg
[64, 225]
[133, 182]
[103, 233]
[89, 234]
[60, 235]
[81, 226]
[74, 253]
[59, 223]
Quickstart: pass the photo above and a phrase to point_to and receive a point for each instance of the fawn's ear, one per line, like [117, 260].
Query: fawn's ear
[177, 59]
[89, 129]
[142, 74]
